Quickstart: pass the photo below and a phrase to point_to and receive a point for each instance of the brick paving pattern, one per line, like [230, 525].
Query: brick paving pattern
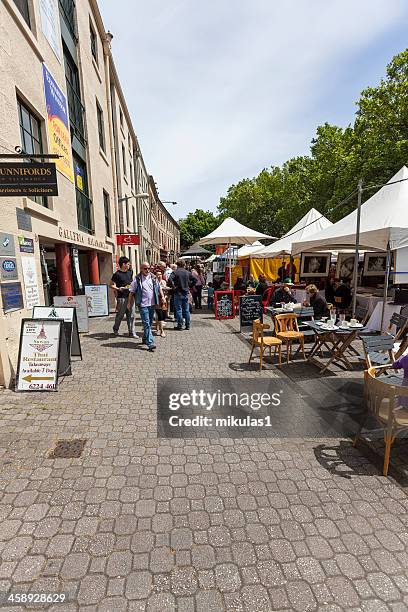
[199, 525]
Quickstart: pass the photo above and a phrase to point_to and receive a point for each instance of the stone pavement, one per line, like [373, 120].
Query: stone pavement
[138, 523]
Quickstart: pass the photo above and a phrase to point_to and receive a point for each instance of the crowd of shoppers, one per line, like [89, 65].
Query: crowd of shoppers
[160, 293]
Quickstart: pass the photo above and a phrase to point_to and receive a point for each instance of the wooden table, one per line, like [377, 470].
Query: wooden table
[337, 342]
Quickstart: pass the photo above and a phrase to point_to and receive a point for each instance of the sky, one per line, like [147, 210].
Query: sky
[220, 89]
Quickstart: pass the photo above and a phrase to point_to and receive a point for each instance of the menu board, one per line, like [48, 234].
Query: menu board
[98, 303]
[68, 314]
[39, 355]
[250, 308]
[80, 303]
[224, 304]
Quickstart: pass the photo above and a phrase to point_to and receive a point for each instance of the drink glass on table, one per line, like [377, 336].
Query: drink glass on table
[333, 316]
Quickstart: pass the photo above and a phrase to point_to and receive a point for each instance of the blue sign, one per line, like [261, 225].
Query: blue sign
[8, 268]
[12, 296]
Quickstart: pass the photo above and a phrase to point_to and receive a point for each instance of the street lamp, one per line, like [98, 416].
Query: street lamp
[138, 195]
[168, 202]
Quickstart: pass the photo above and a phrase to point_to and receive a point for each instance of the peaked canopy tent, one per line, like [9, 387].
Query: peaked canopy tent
[262, 260]
[383, 226]
[232, 232]
[384, 221]
[196, 251]
[249, 249]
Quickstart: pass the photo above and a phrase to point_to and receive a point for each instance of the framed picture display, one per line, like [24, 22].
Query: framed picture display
[345, 266]
[375, 264]
[314, 265]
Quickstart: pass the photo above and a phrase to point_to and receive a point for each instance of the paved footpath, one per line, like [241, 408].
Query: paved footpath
[200, 525]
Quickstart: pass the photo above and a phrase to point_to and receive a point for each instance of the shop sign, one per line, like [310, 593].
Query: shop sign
[8, 268]
[12, 296]
[39, 355]
[28, 179]
[127, 239]
[7, 248]
[32, 292]
[49, 25]
[80, 303]
[23, 220]
[26, 244]
[78, 238]
[59, 137]
[98, 304]
[68, 315]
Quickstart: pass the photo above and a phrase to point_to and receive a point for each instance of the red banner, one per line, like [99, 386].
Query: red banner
[127, 239]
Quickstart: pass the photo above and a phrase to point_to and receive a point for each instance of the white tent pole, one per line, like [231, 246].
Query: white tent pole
[386, 281]
[229, 266]
[356, 257]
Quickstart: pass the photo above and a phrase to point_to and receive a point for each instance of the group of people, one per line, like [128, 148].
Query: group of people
[157, 292]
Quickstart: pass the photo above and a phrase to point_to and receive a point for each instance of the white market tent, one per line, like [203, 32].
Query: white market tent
[232, 232]
[311, 224]
[384, 221]
[249, 249]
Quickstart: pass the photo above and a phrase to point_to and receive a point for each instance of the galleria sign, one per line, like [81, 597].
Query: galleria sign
[79, 238]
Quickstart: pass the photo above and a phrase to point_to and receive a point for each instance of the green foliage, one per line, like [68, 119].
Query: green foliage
[196, 225]
[374, 148]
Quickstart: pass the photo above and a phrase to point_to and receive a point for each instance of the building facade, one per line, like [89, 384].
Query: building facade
[60, 92]
[164, 229]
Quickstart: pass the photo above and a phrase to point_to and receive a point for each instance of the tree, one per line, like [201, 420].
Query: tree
[196, 225]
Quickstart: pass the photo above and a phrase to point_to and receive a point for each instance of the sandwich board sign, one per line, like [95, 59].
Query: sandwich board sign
[98, 304]
[68, 314]
[250, 308]
[80, 303]
[39, 355]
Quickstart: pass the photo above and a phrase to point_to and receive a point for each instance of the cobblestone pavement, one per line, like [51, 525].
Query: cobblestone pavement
[200, 525]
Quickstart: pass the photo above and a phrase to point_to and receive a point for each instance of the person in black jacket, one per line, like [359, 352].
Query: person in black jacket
[182, 281]
[283, 294]
[262, 285]
[319, 304]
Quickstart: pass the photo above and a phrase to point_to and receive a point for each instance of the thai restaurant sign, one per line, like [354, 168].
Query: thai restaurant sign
[37, 368]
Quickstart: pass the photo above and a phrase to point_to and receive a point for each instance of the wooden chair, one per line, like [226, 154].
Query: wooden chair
[262, 341]
[362, 314]
[401, 324]
[378, 350]
[267, 296]
[383, 402]
[287, 330]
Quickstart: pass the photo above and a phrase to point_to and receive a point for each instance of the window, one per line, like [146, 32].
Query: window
[22, 6]
[132, 184]
[94, 42]
[31, 142]
[124, 160]
[130, 143]
[121, 118]
[106, 209]
[75, 106]
[101, 127]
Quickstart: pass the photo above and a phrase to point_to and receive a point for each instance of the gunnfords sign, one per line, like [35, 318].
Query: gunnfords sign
[28, 179]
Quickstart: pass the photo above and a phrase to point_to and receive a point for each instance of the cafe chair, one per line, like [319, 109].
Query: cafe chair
[386, 403]
[267, 296]
[378, 350]
[400, 323]
[262, 341]
[287, 330]
[361, 314]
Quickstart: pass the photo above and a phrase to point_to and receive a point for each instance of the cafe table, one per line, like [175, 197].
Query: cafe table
[337, 341]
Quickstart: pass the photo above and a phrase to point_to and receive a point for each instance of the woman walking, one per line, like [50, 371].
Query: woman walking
[198, 287]
[161, 310]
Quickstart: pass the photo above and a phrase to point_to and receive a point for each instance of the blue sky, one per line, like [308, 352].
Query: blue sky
[219, 89]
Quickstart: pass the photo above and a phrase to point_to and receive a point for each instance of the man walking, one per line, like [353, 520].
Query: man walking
[182, 280]
[120, 283]
[146, 293]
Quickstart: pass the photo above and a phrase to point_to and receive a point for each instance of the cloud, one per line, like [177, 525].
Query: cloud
[220, 89]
